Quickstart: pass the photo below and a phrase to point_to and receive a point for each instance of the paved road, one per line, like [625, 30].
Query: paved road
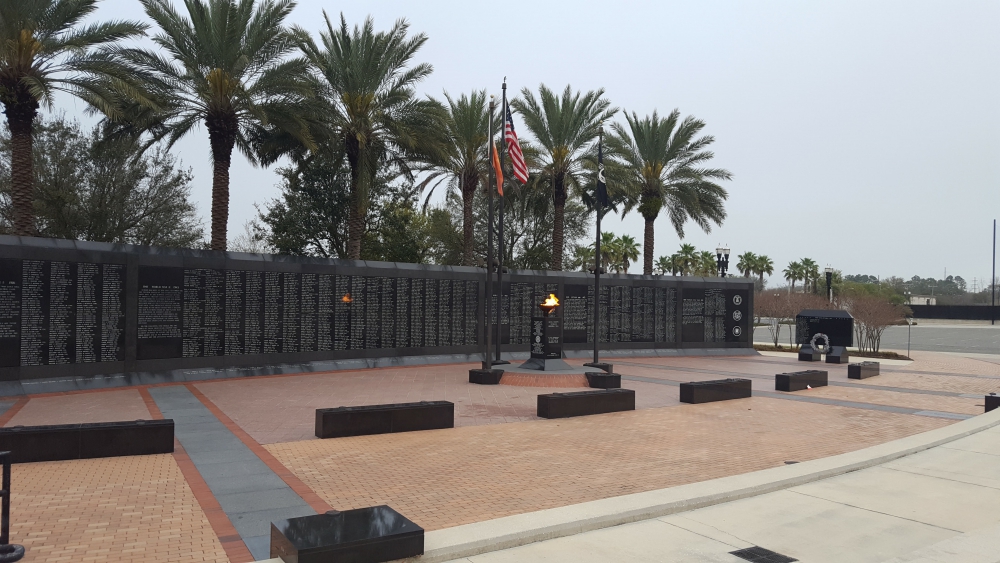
[939, 505]
[961, 338]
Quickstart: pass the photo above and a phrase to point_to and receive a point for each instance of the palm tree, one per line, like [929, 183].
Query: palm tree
[374, 112]
[746, 264]
[763, 265]
[663, 265]
[793, 273]
[565, 128]
[225, 65]
[583, 258]
[706, 264]
[688, 259]
[665, 160]
[44, 49]
[810, 273]
[628, 251]
[610, 251]
[465, 161]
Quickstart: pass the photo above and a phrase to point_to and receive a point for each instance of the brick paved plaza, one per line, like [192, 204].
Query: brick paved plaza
[500, 459]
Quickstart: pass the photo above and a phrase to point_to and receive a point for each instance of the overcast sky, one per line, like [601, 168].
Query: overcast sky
[863, 135]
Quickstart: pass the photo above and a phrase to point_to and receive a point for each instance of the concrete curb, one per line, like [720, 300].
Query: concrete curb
[522, 529]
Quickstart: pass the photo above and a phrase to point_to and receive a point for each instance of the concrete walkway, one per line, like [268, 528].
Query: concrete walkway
[942, 504]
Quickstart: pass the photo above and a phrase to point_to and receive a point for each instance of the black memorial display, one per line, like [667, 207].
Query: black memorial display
[799, 380]
[809, 354]
[583, 403]
[384, 419]
[836, 326]
[603, 380]
[362, 535]
[837, 355]
[547, 338]
[29, 444]
[76, 313]
[862, 370]
[992, 402]
[696, 392]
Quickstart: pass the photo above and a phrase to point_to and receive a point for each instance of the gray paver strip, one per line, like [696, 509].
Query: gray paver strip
[247, 489]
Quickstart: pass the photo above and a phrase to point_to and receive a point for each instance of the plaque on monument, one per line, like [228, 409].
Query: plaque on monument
[546, 339]
[575, 312]
[10, 313]
[160, 314]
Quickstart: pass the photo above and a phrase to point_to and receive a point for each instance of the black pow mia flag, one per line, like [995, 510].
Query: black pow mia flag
[602, 187]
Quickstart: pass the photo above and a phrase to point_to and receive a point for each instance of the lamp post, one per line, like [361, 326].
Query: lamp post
[829, 282]
[722, 260]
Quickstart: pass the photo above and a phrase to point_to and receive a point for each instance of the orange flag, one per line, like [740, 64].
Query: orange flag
[496, 167]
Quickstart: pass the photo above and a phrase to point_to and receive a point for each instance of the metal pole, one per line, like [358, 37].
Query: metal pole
[909, 328]
[993, 280]
[597, 281]
[487, 364]
[500, 205]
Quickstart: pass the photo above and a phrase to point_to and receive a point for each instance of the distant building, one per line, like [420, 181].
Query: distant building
[923, 300]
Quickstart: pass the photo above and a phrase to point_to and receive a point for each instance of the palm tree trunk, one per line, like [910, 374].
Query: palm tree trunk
[222, 131]
[468, 193]
[19, 120]
[647, 248]
[558, 223]
[355, 230]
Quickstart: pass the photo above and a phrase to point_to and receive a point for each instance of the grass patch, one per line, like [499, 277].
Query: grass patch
[795, 348]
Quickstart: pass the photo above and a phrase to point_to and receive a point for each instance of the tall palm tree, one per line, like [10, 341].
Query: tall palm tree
[688, 257]
[374, 112]
[610, 251]
[793, 273]
[706, 264]
[763, 265]
[810, 273]
[628, 251]
[224, 64]
[44, 49]
[746, 264]
[565, 128]
[666, 159]
[663, 265]
[465, 160]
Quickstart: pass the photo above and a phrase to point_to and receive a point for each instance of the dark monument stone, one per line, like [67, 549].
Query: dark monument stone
[29, 444]
[696, 392]
[603, 380]
[836, 324]
[799, 380]
[362, 535]
[809, 354]
[582, 403]
[608, 368]
[992, 402]
[863, 370]
[546, 345]
[837, 355]
[485, 376]
[384, 419]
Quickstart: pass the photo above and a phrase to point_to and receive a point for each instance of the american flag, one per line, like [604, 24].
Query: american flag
[514, 150]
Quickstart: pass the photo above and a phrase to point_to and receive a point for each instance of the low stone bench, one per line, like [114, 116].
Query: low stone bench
[602, 380]
[341, 422]
[863, 370]
[485, 376]
[29, 444]
[799, 380]
[696, 392]
[992, 402]
[362, 535]
[582, 403]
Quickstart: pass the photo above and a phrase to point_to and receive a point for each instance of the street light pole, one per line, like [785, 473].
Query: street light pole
[722, 260]
[829, 282]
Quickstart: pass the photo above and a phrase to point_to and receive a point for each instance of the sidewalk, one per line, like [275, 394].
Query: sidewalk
[942, 504]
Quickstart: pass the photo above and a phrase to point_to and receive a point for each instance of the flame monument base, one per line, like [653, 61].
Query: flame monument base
[546, 345]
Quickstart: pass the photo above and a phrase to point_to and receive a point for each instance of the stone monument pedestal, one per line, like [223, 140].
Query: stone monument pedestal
[546, 345]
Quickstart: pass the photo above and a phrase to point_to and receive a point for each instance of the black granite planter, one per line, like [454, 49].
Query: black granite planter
[992, 402]
[863, 370]
[602, 380]
[809, 354]
[363, 535]
[485, 376]
[799, 380]
[582, 403]
[29, 444]
[384, 419]
[838, 355]
[696, 392]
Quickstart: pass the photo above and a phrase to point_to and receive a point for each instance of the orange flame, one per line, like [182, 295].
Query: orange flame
[551, 301]
[346, 298]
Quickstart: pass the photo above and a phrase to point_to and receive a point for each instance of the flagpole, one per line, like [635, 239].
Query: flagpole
[487, 363]
[500, 241]
[597, 257]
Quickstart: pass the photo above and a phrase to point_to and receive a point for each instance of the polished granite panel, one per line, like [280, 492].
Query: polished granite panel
[29, 444]
[838, 355]
[363, 535]
[696, 392]
[384, 419]
[992, 402]
[800, 380]
[809, 354]
[583, 403]
[863, 370]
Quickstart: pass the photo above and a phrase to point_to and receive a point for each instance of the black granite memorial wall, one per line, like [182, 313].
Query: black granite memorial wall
[129, 314]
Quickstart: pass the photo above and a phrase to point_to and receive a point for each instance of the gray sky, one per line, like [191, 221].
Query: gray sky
[864, 135]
